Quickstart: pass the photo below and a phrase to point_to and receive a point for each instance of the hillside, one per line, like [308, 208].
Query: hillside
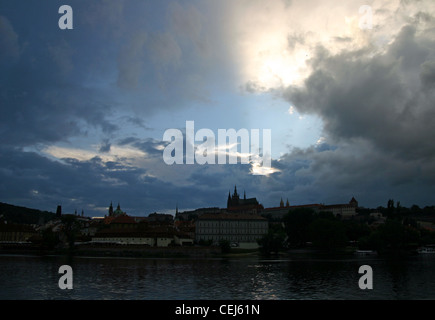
[23, 215]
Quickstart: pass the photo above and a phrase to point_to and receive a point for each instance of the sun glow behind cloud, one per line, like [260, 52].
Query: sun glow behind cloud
[128, 156]
[262, 48]
[273, 40]
[273, 65]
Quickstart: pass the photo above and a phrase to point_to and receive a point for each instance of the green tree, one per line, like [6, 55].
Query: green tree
[415, 209]
[71, 227]
[355, 230]
[390, 208]
[297, 223]
[273, 241]
[392, 235]
[328, 233]
[427, 237]
[372, 241]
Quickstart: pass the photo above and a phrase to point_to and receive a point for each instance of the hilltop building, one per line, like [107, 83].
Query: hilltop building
[194, 214]
[277, 213]
[160, 217]
[117, 212]
[346, 210]
[243, 205]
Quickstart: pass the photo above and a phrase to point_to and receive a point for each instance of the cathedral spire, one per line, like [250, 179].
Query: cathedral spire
[111, 209]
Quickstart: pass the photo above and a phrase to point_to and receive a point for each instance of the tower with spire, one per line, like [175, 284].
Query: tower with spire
[111, 209]
[234, 200]
[117, 212]
[235, 203]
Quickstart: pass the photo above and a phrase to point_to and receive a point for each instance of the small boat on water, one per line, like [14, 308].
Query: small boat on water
[427, 249]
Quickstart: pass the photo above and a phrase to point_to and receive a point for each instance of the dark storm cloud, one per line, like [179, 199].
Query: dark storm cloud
[379, 99]
[427, 75]
[8, 41]
[51, 80]
[105, 146]
[33, 111]
[152, 147]
[32, 180]
[41, 100]
[378, 115]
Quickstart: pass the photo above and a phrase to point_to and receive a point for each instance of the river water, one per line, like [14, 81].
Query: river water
[36, 278]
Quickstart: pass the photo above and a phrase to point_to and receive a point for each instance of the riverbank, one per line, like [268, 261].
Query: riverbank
[138, 251]
[141, 251]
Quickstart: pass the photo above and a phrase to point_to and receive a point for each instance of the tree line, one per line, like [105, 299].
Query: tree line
[304, 227]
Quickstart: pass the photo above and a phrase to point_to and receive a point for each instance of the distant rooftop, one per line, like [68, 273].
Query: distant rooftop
[230, 216]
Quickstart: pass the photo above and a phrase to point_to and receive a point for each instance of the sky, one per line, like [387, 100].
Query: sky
[346, 88]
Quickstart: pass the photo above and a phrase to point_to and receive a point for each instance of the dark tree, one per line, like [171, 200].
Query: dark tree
[273, 241]
[328, 233]
[297, 223]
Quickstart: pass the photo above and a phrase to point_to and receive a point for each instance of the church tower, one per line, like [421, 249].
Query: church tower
[118, 211]
[59, 211]
[235, 203]
[353, 202]
[235, 198]
[111, 210]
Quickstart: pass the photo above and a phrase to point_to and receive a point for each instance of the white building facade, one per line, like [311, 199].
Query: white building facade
[236, 228]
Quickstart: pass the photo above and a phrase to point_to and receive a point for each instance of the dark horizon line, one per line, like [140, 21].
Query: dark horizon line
[220, 208]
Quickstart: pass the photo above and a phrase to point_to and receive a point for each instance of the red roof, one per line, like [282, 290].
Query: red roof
[230, 216]
[294, 207]
[123, 219]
